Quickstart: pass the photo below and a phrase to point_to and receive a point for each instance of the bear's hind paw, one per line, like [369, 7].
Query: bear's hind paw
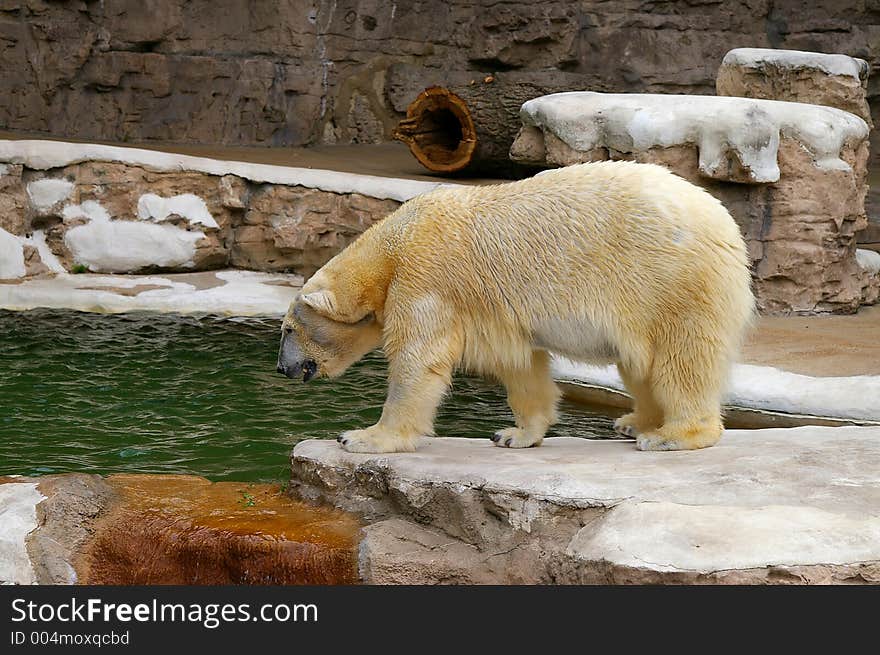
[633, 424]
[664, 439]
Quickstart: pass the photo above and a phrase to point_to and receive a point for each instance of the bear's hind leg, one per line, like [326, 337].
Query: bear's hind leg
[691, 434]
[647, 414]
[532, 395]
[687, 386]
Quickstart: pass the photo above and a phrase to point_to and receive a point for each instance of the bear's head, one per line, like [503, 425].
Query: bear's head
[325, 331]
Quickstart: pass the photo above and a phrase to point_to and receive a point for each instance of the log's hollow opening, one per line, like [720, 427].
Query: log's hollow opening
[440, 135]
[439, 131]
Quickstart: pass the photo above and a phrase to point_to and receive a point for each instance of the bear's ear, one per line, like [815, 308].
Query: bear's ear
[321, 301]
[326, 303]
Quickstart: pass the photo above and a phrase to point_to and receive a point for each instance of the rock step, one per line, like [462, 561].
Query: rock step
[799, 505]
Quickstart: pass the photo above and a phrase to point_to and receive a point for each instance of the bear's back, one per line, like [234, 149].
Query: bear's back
[584, 210]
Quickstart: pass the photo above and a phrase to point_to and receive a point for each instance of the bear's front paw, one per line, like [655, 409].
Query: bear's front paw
[515, 438]
[377, 439]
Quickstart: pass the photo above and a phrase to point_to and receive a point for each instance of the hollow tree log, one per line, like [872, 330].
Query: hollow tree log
[469, 129]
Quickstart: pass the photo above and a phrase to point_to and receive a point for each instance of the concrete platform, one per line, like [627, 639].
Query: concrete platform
[796, 505]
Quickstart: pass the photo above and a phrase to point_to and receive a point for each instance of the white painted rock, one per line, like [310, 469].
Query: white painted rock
[228, 292]
[830, 64]
[854, 397]
[18, 518]
[834, 80]
[11, 256]
[727, 131]
[46, 193]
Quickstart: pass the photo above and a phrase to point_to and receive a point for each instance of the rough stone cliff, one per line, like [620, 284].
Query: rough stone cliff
[298, 72]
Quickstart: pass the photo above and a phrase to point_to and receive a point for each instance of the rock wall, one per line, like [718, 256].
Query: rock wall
[300, 229]
[308, 71]
[832, 80]
[794, 76]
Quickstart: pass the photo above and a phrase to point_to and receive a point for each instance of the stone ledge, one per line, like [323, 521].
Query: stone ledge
[830, 64]
[782, 505]
[225, 293]
[45, 155]
[62, 203]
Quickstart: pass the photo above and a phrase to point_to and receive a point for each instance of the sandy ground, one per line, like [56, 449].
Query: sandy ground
[820, 346]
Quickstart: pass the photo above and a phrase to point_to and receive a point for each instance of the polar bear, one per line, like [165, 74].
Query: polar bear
[601, 262]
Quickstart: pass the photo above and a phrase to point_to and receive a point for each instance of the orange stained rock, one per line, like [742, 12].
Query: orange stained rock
[175, 529]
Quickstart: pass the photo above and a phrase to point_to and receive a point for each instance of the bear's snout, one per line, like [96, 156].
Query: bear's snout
[293, 371]
[307, 369]
[291, 359]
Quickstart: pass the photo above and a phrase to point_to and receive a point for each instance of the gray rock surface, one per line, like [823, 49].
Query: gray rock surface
[763, 506]
[13, 201]
[45, 523]
[295, 228]
[65, 523]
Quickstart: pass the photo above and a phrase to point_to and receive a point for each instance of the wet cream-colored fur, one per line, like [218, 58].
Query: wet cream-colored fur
[604, 262]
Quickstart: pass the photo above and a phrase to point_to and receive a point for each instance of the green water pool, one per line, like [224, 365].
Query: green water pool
[155, 393]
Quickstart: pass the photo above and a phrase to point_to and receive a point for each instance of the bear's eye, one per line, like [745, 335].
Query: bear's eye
[288, 330]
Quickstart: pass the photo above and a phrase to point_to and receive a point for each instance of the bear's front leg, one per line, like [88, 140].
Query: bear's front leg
[419, 372]
[532, 395]
[408, 414]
